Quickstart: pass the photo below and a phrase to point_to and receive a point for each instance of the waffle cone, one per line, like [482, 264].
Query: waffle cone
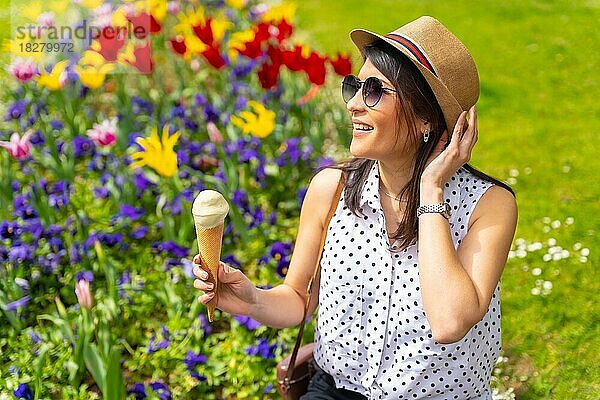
[209, 247]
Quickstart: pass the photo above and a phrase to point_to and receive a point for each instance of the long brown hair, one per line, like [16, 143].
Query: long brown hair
[415, 101]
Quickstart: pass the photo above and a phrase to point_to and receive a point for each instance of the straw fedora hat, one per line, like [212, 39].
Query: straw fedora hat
[442, 59]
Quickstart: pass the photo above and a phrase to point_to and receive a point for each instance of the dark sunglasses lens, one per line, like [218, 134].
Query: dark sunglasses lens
[372, 91]
[350, 86]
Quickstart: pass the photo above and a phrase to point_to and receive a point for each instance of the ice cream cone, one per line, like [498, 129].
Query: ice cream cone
[209, 211]
[209, 247]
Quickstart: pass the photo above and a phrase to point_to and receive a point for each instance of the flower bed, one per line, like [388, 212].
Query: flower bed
[104, 150]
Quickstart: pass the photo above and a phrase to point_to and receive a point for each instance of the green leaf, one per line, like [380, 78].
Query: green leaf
[95, 365]
[114, 379]
[62, 325]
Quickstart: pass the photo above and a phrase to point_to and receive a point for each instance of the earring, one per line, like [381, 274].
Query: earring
[426, 136]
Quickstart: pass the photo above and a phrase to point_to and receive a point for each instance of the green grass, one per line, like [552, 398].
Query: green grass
[539, 64]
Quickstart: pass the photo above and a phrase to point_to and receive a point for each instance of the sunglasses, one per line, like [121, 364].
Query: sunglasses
[372, 89]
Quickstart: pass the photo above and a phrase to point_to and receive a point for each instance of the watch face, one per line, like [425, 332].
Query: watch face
[447, 210]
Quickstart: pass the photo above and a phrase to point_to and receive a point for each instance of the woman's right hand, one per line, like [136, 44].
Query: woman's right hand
[235, 293]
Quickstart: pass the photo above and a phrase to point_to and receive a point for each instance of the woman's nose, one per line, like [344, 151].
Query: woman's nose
[356, 103]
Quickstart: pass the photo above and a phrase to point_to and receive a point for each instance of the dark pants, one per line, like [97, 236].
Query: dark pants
[322, 387]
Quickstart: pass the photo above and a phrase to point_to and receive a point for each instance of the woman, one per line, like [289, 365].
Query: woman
[409, 286]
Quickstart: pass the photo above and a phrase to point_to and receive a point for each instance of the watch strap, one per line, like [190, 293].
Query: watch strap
[441, 208]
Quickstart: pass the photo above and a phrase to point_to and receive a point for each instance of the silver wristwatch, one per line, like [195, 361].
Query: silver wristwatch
[442, 208]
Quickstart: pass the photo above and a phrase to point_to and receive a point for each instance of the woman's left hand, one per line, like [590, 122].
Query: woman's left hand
[443, 163]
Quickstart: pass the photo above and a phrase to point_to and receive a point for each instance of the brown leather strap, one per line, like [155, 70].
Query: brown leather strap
[292, 364]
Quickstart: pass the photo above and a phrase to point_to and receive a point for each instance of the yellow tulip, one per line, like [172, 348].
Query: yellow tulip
[187, 21]
[259, 123]
[157, 154]
[92, 69]
[91, 76]
[55, 79]
[283, 11]
[219, 26]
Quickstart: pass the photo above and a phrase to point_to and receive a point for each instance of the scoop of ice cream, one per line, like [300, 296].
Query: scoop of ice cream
[209, 209]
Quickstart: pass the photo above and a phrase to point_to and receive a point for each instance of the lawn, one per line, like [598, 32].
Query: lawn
[538, 118]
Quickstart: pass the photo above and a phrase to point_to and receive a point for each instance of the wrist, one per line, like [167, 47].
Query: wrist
[255, 306]
[430, 194]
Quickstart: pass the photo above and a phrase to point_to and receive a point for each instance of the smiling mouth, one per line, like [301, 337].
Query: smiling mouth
[362, 127]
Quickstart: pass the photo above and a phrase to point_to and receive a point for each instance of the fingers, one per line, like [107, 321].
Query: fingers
[205, 298]
[202, 285]
[199, 272]
[470, 135]
[458, 130]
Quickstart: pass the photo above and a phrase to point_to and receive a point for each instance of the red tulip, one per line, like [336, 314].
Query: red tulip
[111, 40]
[178, 45]
[315, 68]
[204, 32]
[213, 57]
[284, 30]
[293, 59]
[341, 65]
[254, 48]
[268, 75]
[144, 24]
[143, 59]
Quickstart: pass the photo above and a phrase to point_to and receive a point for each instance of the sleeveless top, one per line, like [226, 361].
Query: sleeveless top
[372, 334]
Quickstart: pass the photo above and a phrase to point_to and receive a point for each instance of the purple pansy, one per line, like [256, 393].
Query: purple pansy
[19, 303]
[204, 324]
[161, 390]
[16, 110]
[23, 392]
[263, 349]
[138, 390]
[83, 147]
[170, 247]
[247, 322]
[84, 276]
[139, 233]
[130, 212]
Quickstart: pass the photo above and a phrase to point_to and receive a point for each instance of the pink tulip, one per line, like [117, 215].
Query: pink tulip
[18, 147]
[214, 133]
[105, 133]
[83, 293]
[23, 70]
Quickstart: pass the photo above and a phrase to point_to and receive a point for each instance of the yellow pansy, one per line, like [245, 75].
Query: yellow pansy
[259, 123]
[236, 3]
[283, 11]
[93, 69]
[157, 154]
[55, 79]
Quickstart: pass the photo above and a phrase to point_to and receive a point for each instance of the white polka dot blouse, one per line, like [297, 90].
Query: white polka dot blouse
[372, 335]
